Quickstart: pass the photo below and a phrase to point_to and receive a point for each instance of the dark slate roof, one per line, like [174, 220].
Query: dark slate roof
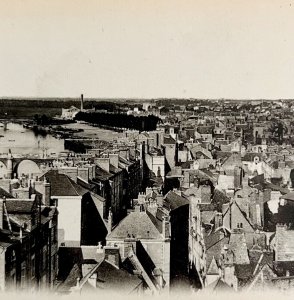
[135, 225]
[289, 196]
[62, 185]
[71, 279]
[101, 174]
[281, 267]
[111, 278]
[214, 245]
[205, 129]
[168, 140]
[19, 206]
[218, 199]
[250, 156]
[173, 201]
[186, 164]
[3, 194]
[114, 170]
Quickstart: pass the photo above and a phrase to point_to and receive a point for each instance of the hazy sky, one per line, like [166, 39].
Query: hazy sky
[201, 49]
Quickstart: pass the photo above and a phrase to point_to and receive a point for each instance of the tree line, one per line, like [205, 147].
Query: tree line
[118, 120]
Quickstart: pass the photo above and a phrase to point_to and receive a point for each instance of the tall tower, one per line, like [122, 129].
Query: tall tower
[82, 102]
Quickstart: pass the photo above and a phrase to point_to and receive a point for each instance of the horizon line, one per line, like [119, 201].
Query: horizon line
[141, 98]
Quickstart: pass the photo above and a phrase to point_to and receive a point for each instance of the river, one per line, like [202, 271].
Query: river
[25, 141]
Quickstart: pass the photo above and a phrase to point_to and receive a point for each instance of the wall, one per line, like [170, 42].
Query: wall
[69, 219]
[2, 270]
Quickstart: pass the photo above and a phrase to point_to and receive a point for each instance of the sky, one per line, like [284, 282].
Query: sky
[147, 49]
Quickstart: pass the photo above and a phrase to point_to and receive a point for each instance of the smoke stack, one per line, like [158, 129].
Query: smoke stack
[82, 102]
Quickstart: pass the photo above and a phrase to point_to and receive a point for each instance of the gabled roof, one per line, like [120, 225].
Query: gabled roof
[229, 211]
[135, 225]
[213, 268]
[219, 286]
[111, 278]
[173, 201]
[62, 185]
[168, 140]
[234, 160]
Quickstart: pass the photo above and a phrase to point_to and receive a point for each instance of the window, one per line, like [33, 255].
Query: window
[239, 225]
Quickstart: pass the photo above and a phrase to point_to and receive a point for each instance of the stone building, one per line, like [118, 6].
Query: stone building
[28, 241]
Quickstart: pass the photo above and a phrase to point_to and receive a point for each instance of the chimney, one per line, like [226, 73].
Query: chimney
[47, 192]
[114, 159]
[218, 219]
[186, 179]
[109, 225]
[205, 194]
[237, 177]
[165, 227]
[82, 102]
[196, 182]
[1, 212]
[103, 163]
[112, 255]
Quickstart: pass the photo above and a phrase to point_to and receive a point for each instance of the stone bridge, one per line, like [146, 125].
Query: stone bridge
[23, 165]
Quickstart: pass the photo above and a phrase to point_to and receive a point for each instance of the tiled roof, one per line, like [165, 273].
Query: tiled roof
[19, 206]
[113, 279]
[237, 244]
[62, 185]
[136, 225]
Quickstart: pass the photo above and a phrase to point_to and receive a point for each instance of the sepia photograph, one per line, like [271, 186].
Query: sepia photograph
[146, 149]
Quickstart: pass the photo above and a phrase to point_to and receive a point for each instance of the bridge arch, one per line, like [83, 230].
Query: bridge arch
[27, 166]
[3, 169]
